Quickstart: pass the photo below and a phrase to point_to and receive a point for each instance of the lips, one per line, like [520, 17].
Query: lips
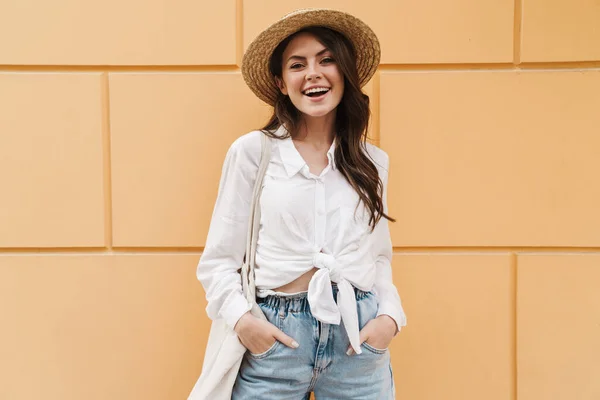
[316, 94]
[318, 98]
[316, 91]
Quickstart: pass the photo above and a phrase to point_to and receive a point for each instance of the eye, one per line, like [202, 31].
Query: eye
[296, 66]
[327, 60]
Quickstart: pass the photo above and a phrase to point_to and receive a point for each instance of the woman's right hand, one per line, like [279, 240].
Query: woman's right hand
[258, 335]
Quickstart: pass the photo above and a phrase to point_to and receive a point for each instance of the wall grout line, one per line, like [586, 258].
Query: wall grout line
[150, 69]
[106, 146]
[523, 67]
[239, 31]
[514, 306]
[470, 251]
[119, 68]
[96, 251]
[499, 249]
[518, 24]
[509, 66]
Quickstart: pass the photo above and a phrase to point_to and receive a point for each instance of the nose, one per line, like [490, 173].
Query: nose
[313, 72]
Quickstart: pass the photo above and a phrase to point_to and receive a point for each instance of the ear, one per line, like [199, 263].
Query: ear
[281, 85]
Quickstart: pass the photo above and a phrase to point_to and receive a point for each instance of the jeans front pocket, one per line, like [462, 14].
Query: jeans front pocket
[273, 317]
[367, 310]
[373, 350]
[265, 353]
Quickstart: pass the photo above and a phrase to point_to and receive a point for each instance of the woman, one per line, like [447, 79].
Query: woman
[323, 255]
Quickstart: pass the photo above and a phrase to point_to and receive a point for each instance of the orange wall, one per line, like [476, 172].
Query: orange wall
[114, 121]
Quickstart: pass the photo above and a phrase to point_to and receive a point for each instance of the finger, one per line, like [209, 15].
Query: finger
[362, 337]
[285, 339]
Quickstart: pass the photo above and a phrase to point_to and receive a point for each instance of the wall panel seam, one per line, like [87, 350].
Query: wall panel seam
[518, 24]
[466, 67]
[396, 250]
[106, 159]
[239, 33]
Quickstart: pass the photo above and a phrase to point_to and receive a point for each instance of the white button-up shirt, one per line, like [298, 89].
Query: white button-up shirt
[306, 221]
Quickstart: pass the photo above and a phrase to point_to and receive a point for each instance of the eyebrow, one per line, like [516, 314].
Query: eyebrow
[304, 58]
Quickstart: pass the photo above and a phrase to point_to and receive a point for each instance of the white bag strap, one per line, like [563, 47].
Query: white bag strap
[248, 285]
[224, 351]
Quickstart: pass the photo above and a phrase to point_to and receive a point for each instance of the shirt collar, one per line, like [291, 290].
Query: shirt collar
[291, 158]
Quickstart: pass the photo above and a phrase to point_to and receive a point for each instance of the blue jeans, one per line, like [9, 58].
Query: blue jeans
[320, 364]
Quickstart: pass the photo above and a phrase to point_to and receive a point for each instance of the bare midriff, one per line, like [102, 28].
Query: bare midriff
[300, 284]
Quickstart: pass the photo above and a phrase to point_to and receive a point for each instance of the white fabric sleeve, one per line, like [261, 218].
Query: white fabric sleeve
[389, 300]
[221, 260]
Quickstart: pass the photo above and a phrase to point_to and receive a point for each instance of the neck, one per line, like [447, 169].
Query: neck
[317, 130]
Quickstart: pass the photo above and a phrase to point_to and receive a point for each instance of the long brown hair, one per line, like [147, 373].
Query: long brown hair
[351, 124]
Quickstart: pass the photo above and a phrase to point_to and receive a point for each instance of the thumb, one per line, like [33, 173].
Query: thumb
[285, 339]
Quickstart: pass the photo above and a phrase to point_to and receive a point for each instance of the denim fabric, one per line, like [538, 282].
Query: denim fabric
[320, 364]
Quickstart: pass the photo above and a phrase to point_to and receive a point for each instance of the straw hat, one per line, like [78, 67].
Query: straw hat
[255, 63]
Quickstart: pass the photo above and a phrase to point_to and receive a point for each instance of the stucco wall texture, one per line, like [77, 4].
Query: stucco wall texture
[115, 117]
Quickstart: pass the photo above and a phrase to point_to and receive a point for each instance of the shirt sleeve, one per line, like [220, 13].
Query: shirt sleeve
[389, 300]
[221, 260]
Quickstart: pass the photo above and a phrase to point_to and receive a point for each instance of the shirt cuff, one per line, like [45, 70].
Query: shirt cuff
[394, 313]
[233, 311]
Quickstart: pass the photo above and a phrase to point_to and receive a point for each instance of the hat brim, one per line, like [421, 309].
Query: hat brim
[255, 63]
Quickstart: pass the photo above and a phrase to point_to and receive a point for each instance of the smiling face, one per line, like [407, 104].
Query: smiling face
[310, 76]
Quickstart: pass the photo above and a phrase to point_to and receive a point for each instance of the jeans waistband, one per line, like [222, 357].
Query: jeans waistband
[298, 303]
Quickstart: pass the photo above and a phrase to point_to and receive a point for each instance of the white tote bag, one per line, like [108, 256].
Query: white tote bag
[224, 351]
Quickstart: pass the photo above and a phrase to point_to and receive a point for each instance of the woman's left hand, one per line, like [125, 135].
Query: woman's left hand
[378, 333]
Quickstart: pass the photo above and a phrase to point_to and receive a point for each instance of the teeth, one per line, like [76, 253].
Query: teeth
[316, 90]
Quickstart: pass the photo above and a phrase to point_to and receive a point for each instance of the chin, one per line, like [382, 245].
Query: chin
[317, 113]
